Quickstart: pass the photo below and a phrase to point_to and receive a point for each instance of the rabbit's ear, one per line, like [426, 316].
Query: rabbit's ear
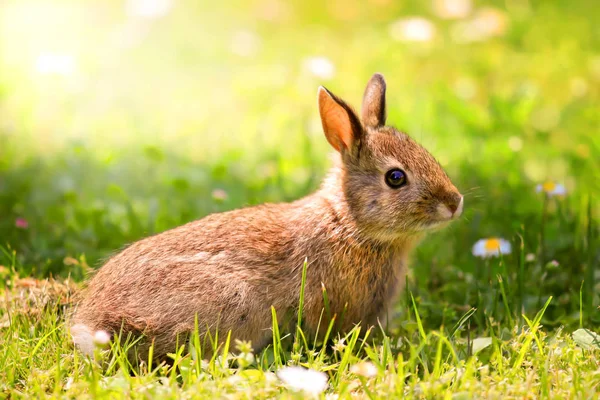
[373, 105]
[341, 125]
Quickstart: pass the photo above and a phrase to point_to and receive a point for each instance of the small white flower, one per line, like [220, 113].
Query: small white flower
[365, 368]
[270, 378]
[101, 338]
[412, 29]
[339, 345]
[302, 379]
[320, 67]
[449, 9]
[148, 8]
[530, 257]
[69, 383]
[491, 247]
[551, 188]
[235, 379]
[245, 359]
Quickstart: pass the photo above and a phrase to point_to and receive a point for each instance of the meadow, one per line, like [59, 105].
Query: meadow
[119, 120]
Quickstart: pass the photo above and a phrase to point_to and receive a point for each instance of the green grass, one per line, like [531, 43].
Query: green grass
[38, 360]
[164, 121]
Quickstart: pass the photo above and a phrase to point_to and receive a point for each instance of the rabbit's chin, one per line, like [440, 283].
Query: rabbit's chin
[435, 225]
[416, 232]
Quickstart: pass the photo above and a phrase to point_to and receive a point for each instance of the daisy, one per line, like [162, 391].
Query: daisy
[551, 189]
[491, 247]
[302, 379]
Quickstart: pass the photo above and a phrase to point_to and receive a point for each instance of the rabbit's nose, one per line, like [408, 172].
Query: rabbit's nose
[455, 204]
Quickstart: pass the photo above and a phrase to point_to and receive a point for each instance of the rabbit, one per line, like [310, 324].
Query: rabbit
[225, 271]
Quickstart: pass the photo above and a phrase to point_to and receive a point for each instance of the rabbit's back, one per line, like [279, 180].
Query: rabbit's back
[227, 269]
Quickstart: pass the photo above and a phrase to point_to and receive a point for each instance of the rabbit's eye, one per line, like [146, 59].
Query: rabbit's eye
[395, 178]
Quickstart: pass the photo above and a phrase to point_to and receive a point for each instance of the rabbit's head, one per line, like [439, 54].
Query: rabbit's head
[392, 186]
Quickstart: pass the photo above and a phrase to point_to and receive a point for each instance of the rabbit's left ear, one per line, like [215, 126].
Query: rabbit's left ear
[373, 105]
[341, 125]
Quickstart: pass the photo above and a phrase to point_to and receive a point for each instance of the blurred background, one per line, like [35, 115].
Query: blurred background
[119, 119]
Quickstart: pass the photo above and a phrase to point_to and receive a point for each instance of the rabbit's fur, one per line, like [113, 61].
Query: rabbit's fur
[228, 269]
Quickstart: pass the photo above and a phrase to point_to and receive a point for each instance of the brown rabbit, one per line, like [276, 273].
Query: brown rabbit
[382, 195]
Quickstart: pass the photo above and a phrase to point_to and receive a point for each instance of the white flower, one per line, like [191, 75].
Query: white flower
[530, 257]
[320, 67]
[339, 345]
[449, 9]
[50, 63]
[148, 8]
[101, 338]
[412, 29]
[491, 247]
[302, 379]
[365, 368]
[69, 383]
[551, 188]
[270, 378]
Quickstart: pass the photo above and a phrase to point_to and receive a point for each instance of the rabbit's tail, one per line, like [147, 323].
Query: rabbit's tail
[83, 337]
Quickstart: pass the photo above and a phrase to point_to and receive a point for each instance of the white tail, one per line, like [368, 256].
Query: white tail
[83, 337]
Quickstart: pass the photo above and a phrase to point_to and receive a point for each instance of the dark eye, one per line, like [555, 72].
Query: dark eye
[395, 178]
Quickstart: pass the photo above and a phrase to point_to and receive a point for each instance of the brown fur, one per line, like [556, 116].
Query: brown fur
[230, 268]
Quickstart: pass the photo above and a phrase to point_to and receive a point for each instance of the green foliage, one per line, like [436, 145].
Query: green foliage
[37, 360]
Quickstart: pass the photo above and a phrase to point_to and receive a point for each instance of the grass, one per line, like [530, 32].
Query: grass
[152, 129]
[38, 360]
